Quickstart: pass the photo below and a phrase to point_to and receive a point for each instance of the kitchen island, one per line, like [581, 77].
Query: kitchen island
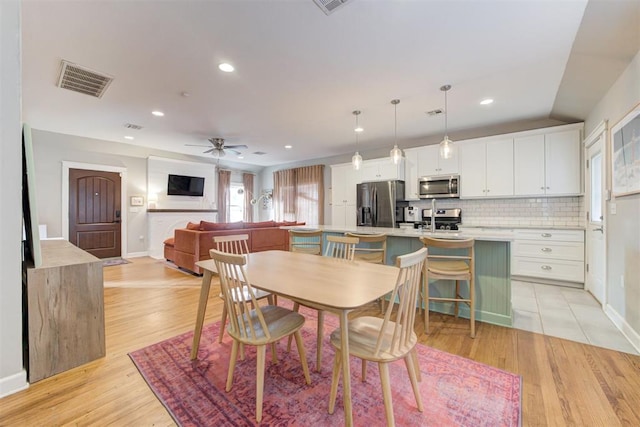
[493, 269]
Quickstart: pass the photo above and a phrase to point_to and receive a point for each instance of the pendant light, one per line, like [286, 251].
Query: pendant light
[446, 145]
[356, 160]
[396, 153]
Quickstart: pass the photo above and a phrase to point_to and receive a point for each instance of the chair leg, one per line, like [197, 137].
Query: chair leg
[270, 299]
[364, 370]
[472, 308]
[425, 302]
[232, 364]
[414, 357]
[335, 377]
[319, 340]
[456, 296]
[386, 393]
[223, 322]
[241, 351]
[303, 356]
[260, 353]
[411, 369]
[274, 355]
[296, 308]
[382, 300]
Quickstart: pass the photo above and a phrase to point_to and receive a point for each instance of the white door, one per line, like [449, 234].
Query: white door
[596, 261]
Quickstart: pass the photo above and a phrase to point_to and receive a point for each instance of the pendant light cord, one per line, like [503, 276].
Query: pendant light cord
[446, 115]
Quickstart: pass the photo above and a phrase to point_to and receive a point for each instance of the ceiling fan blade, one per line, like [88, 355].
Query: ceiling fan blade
[208, 151]
[236, 152]
[219, 153]
[236, 146]
[196, 145]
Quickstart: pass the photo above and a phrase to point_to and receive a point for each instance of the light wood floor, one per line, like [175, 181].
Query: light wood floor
[565, 383]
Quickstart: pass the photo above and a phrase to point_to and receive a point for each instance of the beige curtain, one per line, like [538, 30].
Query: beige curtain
[310, 194]
[284, 195]
[224, 183]
[247, 182]
[298, 194]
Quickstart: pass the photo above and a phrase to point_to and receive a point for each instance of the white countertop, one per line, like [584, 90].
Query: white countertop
[499, 235]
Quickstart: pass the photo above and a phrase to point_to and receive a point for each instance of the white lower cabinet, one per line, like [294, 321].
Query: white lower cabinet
[344, 215]
[555, 255]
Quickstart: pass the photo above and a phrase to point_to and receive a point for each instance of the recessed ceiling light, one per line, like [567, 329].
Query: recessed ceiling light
[288, 147]
[359, 129]
[486, 101]
[241, 157]
[227, 68]
[157, 113]
[128, 137]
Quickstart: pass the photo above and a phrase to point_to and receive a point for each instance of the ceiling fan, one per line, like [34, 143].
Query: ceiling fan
[219, 148]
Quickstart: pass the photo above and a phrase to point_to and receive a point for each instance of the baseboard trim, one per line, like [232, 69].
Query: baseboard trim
[137, 254]
[13, 383]
[625, 328]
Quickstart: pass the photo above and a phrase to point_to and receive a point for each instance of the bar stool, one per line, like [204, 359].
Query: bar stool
[374, 251]
[454, 267]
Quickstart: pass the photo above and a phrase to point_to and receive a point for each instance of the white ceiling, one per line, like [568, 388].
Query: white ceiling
[299, 73]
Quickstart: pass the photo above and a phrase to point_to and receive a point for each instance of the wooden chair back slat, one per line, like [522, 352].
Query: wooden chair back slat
[375, 250]
[234, 281]
[406, 291]
[341, 247]
[233, 244]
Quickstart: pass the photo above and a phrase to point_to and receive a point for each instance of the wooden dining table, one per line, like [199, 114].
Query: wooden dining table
[334, 285]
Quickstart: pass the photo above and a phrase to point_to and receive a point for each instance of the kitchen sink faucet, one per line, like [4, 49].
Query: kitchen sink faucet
[433, 215]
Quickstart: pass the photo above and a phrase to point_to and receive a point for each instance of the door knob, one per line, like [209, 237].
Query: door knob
[600, 229]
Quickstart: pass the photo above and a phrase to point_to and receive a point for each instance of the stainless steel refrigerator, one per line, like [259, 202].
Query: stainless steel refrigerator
[380, 204]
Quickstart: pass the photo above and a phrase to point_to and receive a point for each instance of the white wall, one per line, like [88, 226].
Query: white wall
[12, 374]
[623, 228]
[158, 170]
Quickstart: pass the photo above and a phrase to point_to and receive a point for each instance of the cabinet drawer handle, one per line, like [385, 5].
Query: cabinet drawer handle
[546, 249]
[546, 267]
[546, 234]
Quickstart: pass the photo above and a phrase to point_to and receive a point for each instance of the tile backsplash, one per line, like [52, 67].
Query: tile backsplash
[526, 212]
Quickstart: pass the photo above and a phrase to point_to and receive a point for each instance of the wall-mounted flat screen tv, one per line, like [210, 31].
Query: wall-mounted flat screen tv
[181, 185]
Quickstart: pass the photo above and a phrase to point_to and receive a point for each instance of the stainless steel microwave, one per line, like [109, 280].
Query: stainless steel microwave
[439, 187]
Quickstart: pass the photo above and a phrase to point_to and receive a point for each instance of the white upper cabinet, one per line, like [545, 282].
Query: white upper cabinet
[380, 170]
[343, 195]
[430, 163]
[548, 164]
[343, 184]
[411, 174]
[486, 168]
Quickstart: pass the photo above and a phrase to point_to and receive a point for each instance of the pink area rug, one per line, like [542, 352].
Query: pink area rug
[455, 391]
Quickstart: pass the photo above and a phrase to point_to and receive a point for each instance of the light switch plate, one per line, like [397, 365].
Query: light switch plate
[612, 208]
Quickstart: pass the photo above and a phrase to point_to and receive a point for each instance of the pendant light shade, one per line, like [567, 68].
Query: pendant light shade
[356, 160]
[396, 153]
[446, 145]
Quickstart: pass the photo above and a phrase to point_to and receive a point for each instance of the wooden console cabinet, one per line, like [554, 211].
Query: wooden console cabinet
[65, 310]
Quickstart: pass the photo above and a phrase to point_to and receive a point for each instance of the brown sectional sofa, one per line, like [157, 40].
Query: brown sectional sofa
[191, 244]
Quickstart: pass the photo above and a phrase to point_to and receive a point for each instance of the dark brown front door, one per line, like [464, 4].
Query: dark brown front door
[94, 212]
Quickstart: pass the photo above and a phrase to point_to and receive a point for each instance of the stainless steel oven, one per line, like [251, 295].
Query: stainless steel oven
[439, 187]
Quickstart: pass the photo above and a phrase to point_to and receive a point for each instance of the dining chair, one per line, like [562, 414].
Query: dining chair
[458, 263]
[250, 324]
[307, 241]
[337, 247]
[236, 244]
[385, 340]
[373, 250]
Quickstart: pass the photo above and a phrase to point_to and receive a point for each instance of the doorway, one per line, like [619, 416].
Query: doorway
[100, 245]
[595, 200]
[95, 212]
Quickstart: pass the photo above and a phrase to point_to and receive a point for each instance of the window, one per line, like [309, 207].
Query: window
[236, 204]
[298, 194]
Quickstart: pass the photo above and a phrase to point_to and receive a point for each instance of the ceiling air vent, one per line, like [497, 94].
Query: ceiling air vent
[259, 153]
[132, 126]
[328, 6]
[83, 80]
[435, 112]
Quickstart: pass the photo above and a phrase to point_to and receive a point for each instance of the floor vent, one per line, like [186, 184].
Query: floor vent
[328, 6]
[83, 80]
